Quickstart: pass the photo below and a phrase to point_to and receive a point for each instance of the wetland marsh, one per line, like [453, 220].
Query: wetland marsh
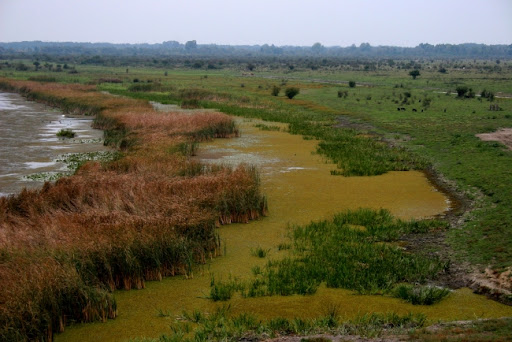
[155, 213]
[299, 188]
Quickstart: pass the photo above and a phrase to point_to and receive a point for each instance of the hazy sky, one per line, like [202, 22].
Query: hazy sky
[279, 22]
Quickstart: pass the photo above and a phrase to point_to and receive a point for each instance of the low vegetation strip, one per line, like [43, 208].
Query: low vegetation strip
[148, 214]
[354, 154]
[221, 325]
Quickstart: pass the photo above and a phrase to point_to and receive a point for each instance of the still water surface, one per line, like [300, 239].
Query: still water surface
[29, 144]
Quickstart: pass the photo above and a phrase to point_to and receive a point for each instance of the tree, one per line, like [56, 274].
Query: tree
[352, 84]
[291, 92]
[317, 48]
[190, 45]
[36, 64]
[414, 73]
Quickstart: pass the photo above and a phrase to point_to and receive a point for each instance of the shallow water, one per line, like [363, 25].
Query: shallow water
[299, 188]
[29, 144]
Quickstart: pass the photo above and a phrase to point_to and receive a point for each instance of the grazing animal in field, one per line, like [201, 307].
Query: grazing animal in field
[414, 110]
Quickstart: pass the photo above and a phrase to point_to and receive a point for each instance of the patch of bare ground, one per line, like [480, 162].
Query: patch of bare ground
[494, 284]
[358, 125]
[503, 136]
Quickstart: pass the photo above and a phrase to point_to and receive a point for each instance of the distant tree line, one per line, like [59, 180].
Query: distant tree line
[191, 48]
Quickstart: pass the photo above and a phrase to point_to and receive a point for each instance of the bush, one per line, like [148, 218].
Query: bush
[275, 90]
[461, 91]
[291, 92]
[487, 95]
[343, 94]
[352, 84]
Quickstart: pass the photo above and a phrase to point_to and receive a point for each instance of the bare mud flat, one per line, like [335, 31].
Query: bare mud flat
[29, 142]
[503, 136]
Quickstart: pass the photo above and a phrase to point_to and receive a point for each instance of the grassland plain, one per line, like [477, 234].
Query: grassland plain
[148, 214]
[439, 133]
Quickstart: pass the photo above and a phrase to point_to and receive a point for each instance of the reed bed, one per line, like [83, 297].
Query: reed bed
[149, 214]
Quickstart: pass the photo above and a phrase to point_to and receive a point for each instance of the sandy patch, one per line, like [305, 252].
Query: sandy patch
[503, 135]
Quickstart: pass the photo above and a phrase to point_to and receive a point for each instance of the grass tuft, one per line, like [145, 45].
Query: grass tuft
[66, 133]
[420, 295]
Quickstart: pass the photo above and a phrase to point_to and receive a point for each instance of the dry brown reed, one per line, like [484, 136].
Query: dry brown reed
[148, 215]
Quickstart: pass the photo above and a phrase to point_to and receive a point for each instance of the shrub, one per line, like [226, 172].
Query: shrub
[275, 90]
[487, 95]
[461, 91]
[342, 93]
[260, 252]
[352, 84]
[291, 92]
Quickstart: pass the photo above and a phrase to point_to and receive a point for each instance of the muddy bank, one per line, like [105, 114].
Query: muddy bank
[29, 144]
[503, 136]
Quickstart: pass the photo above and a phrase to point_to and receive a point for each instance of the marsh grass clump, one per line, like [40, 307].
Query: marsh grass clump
[354, 251]
[363, 156]
[420, 295]
[259, 252]
[66, 133]
[224, 290]
[221, 325]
